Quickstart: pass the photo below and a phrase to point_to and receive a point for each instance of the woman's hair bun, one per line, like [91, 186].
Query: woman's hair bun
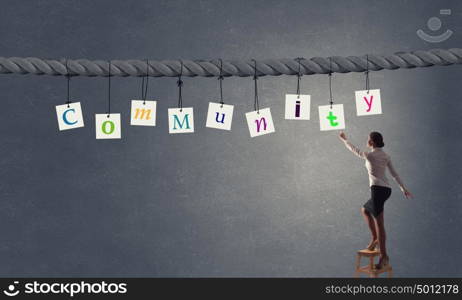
[377, 139]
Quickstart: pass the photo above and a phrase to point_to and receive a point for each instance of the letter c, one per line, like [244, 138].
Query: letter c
[65, 118]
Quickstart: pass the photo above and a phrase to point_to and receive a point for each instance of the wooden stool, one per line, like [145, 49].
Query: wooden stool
[370, 268]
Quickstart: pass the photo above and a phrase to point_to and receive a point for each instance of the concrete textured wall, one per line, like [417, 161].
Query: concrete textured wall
[218, 203]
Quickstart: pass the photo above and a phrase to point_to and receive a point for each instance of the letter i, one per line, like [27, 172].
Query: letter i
[297, 109]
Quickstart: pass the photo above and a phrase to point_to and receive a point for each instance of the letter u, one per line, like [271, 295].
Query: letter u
[222, 118]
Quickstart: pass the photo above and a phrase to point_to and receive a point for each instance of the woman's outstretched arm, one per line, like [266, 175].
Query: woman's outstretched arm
[396, 177]
[351, 147]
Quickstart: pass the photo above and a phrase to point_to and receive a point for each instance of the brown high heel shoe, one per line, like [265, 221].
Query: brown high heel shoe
[383, 263]
[374, 246]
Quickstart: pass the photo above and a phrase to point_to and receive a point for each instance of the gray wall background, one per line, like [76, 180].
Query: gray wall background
[218, 203]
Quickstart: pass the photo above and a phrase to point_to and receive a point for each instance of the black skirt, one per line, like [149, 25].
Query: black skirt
[379, 194]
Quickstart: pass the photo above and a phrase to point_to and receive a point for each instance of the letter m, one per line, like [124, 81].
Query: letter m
[143, 112]
[185, 120]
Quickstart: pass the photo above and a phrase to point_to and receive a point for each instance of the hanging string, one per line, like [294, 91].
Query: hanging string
[68, 76]
[255, 78]
[144, 84]
[109, 91]
[220, 78]
[180, 84]
[299, 76]
[330, 82]
[367, 73]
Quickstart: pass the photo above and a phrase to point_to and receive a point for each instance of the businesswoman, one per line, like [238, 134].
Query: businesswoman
[377, 161]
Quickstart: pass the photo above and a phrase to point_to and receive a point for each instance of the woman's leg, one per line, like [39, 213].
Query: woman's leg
[379, 223]
[370, 222]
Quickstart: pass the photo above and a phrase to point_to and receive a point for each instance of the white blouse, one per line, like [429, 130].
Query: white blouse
[377, 162]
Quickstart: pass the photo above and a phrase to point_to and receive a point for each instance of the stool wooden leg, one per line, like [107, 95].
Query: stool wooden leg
[371, 263]
[358, 265]
[371, 267]
[390, 273]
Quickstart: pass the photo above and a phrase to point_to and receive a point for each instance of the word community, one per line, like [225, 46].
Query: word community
[219, 116]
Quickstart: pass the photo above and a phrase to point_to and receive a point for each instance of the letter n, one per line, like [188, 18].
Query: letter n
[262, 119]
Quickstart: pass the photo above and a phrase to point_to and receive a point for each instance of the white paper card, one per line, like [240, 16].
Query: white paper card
[69, 117]
[368, 104]
[107, 127]
[219, 117]
[260, 123]
[143, 114]
[297, 108]
[180, 121]
[331, 119]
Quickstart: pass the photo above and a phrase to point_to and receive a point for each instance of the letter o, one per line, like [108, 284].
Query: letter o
[113, 288]
[104, 127]
[96, 287]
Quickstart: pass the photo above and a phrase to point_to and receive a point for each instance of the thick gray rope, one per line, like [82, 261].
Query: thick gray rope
[242, 68]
